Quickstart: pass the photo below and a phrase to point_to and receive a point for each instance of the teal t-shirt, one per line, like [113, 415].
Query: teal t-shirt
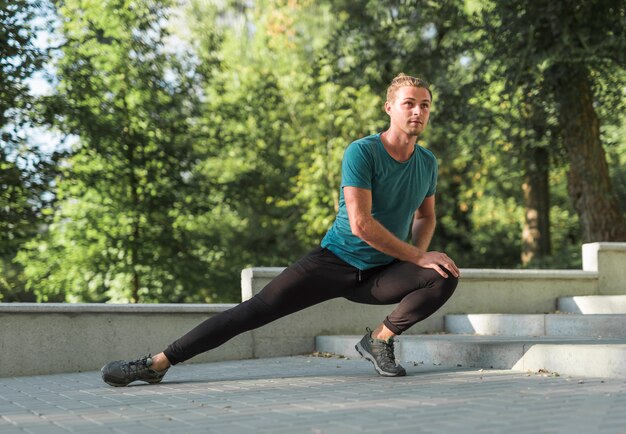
[398, 189]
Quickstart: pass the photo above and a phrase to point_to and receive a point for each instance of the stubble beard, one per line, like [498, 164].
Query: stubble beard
[415, 132]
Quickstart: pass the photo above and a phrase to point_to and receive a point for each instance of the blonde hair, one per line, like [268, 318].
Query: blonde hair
[402, 80]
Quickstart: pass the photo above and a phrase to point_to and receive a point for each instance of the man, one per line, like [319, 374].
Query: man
[387, 192]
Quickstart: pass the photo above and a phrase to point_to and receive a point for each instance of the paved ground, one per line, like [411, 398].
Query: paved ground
[314, 395]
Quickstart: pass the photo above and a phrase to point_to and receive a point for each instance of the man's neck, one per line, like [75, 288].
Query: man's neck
[399, 146]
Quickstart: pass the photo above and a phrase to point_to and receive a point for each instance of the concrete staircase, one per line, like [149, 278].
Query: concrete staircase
[586, 336]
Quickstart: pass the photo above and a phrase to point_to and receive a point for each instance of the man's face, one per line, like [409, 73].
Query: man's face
[410, 110]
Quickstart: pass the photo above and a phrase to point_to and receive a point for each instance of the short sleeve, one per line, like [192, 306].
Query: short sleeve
[433, 183]
[357, 167]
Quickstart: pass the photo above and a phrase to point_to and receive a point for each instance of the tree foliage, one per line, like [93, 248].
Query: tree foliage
[25, 173]
[126, 192]
[557, 46]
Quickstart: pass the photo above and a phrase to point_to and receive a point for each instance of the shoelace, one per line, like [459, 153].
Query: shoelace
[137, 366]
[388, 351]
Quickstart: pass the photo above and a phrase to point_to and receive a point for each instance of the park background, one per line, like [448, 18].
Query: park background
[151, 150]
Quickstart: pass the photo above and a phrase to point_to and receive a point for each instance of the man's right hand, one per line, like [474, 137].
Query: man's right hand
[437, 260]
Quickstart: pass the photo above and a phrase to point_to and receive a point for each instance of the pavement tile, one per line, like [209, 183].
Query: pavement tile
[311, 395]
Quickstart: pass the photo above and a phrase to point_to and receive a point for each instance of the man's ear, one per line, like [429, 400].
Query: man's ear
[387, 107]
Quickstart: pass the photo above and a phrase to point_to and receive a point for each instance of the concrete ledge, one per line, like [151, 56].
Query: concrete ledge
[515, 291]
[496, 324]
[593, 304]
[572, 325]
[608, 260]
[45, 339]
[567, 356]
[523, 275]
[254, 279]
[589, 360]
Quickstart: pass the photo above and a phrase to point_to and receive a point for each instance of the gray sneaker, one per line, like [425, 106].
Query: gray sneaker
[121, 373]
[380, 353]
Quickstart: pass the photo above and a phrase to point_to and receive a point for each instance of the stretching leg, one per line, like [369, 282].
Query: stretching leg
[317, 277]
[419, 292]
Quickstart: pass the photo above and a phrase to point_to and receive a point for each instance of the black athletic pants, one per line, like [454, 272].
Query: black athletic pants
[317, 277]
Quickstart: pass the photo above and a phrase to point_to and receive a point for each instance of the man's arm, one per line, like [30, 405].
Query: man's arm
[366, 227]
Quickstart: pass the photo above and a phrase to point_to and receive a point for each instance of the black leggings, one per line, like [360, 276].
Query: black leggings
[317, 277]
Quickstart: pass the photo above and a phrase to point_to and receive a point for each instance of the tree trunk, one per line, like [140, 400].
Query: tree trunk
[589, 184]
[536, 232]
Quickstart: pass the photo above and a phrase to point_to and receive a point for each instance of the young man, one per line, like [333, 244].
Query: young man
[387, 192]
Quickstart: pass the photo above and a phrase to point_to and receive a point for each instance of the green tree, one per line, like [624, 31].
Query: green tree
[120, 230]
[565, 44]
[25, 172]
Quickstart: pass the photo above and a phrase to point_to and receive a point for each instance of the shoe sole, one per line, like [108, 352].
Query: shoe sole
[367, 356]
[126, 384]
[155, 381]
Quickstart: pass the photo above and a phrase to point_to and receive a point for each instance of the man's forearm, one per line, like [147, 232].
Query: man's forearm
[377, 236]
[423, 230]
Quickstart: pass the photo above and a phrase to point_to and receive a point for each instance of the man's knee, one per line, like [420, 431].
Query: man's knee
[448, 284]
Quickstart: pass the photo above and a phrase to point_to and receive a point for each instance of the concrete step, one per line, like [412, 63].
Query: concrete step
[551, 325]
[565, 356]
[593, 304]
